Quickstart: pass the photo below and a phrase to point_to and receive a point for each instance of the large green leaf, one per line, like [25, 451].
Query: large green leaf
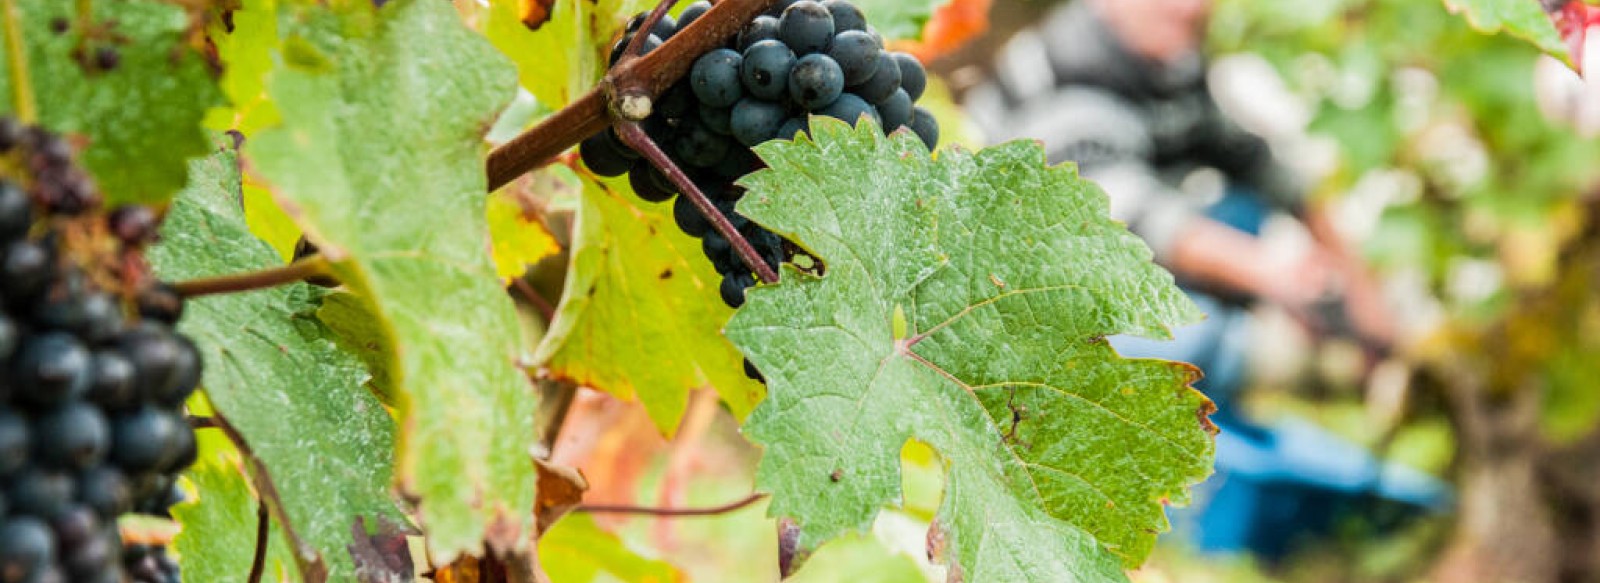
[640, 315]
[379, 159]
[141, 120]
[1524, 19]
[218, 540]
[966, 305]
[274, 371]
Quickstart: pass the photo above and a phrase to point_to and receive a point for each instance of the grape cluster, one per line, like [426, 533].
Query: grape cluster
[802, 58]
[92, 375]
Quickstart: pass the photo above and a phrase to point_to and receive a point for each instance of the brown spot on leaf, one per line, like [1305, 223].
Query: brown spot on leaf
[666, 274]
[790, 555]
[1204, 414]
[838, 474]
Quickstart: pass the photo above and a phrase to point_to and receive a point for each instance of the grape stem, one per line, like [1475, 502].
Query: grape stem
[637, 139]
[647, 75]
[258, 565]
[656, 511]
[17, 54]
[312, 568]
[266, 278]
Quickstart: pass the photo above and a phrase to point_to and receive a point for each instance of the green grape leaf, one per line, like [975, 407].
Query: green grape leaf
[576, 550]
[274, 371]
[379, 160]
[1009, 276]
[246, 53]
[565, 57]
[218, 539]
[139, 122]
[640, 315]
[898, 19]
[1524, 19]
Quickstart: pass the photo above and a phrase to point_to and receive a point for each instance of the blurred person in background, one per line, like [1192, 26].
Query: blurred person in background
[1119, 87]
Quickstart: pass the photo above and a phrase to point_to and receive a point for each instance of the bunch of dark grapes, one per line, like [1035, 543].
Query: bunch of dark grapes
[802, 58]
[92, 375]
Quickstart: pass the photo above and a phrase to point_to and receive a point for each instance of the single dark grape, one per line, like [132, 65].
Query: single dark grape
[601, 159]
[715, 78]
[26, 547]
[185, 376]
[648, 187]
[779, 6]
[663, 28]
[845, 15]
[806, 26]
[112, 384]
[765, 69]
[16, 211]
[163, 362]
[700, 147]
[692, 13]
[134, 224]
[755, 121]
[716, 119]
[187, 451]
[913, 78]
[792, 127]
[105, 490]
[74, 436]
[926, 127]
[87, 561]
[40, 492]
[50, 368]
[850, 107]
[815, 82]
[739, 162]
[885, 80]
[676, 102]
[689, 219]
[162, 303]
[651, 43]
[762, 28]
[896, 110]
[143, 440]
[856, 52]
[15, 442]
[25, 270]
[75, 527]
[733, 286]
[718, 250]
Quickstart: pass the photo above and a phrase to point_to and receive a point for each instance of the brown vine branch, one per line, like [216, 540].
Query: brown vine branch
[21, 83]
[636, 138]
[656, 511]
[258, 565]
[647, 75]
[524, 289]
[267, 278]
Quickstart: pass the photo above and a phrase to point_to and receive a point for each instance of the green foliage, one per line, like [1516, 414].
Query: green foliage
[566, 56]
[326, 439]
[140, 120]
[379, 160]
[218, 539]
[639, 316]
[578, 551]
[1523, 19]
[898, 19]
[966, 304]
